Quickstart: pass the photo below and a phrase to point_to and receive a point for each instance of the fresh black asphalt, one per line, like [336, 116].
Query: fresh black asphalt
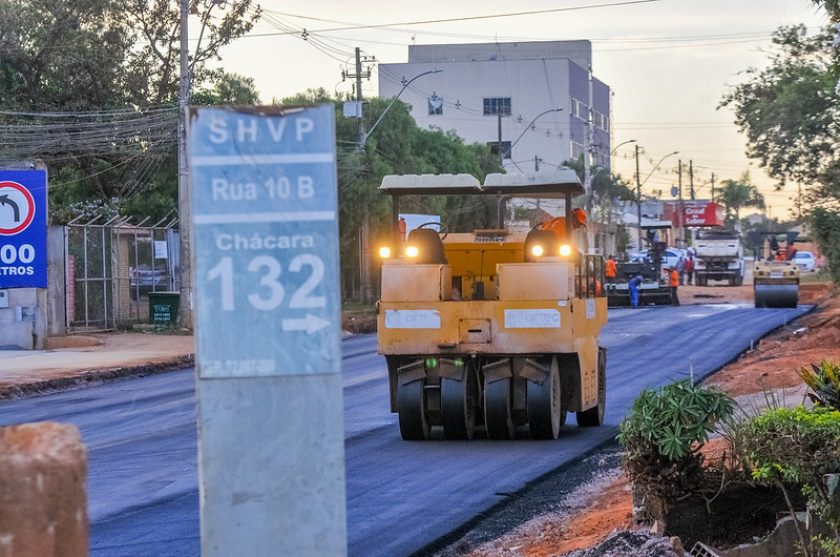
[401, 496]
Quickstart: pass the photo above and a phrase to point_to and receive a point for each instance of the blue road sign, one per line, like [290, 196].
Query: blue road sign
[265, 225]
[23, 228]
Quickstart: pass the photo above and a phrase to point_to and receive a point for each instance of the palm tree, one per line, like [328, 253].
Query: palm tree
[735, 194]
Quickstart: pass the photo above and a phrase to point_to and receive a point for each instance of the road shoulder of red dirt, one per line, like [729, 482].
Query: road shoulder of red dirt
[771, 364]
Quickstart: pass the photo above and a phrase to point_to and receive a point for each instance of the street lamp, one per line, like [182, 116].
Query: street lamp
[528, 127]
[500, 207]
[367, 134]
[620, 144]
[639, 185]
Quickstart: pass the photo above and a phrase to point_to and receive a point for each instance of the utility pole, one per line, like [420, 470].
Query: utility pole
[587, 163]
[713, 187]
[184, 216]
[638, 198]
[536, 163]
[500, 204]
[358, 76]
[691, 178]
[680, 204]
[364, 264]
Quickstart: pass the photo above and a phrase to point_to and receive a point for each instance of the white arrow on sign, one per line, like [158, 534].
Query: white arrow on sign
[310, 324]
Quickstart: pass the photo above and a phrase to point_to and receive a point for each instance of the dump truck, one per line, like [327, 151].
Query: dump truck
[491, 332]
[718, 255]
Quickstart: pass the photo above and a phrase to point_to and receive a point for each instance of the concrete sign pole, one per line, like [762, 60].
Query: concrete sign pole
[271, 435]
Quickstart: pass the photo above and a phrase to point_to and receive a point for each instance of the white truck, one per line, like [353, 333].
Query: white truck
[718, 255]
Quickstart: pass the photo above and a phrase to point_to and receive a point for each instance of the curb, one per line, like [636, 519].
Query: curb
[93, 377]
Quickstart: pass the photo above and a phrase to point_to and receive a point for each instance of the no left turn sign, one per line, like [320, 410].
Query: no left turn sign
[17, 208]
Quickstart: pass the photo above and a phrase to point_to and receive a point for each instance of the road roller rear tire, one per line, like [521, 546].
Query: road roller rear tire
[498, 414]
[414, 422]
[459, 403]
[545, 405]
[595, 416]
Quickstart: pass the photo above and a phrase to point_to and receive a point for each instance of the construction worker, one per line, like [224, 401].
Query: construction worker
[633, 288]
[689, 268]
[674, 280]
[610, 269]
[558, 224]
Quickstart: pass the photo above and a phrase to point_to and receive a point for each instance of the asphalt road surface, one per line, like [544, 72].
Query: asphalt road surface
[141, 439]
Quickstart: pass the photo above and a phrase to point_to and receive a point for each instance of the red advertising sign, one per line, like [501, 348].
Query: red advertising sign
[694, 213]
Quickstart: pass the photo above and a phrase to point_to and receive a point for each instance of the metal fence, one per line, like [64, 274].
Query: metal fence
[112, 267]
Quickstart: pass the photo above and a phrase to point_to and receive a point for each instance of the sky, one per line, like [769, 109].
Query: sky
[668, 62]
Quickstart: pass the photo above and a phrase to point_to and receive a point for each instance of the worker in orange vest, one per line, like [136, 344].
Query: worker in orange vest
[610, 269]
[674, 280]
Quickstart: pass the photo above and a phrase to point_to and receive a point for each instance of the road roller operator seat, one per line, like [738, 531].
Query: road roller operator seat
[429, 246]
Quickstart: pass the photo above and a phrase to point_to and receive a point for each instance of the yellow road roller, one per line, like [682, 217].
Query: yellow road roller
[775, 284]
[492, 332]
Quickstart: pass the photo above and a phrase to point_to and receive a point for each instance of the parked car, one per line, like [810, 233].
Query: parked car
[805, 260]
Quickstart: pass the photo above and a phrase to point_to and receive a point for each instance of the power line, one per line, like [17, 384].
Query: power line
[480, 17]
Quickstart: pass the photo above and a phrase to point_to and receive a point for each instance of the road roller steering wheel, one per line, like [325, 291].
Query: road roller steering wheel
[443, 230]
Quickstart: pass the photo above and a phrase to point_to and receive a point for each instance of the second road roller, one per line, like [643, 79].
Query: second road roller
[775, 284]
[492, 332]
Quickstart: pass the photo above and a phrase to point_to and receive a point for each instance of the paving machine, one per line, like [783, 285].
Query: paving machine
[655, 288]
[490, 331]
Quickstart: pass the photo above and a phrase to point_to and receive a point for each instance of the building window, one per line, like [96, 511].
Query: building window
[435, 105]
[494, 148]
[497, 105]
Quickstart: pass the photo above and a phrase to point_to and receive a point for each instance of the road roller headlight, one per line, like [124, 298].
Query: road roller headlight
[565, 250]
[537, 251]
[412, 251]
[384, 252]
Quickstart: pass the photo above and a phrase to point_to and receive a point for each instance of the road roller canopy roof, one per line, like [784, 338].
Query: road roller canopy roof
[556, 183]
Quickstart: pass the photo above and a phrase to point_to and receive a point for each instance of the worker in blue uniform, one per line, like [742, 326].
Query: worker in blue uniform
[633, 288]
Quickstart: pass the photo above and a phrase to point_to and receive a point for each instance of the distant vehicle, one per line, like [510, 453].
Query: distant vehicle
[805, 260]
[669, 257]
[718, 256]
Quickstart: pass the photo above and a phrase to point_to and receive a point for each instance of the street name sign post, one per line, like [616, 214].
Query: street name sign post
[23, 228]
[265, 229]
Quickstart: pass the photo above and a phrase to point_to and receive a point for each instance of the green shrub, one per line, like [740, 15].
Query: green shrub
[799, 446]
[663, 434]
[824, 380]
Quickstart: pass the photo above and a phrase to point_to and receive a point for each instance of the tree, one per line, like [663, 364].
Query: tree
[229, 88]
[64, 55]
[736, 194]
[156, 27]
[107, 71]
[790, 114]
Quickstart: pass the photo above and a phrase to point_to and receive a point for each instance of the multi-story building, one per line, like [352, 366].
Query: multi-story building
[491, 93]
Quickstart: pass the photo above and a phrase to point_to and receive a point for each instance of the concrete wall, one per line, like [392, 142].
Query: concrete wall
[23, 325]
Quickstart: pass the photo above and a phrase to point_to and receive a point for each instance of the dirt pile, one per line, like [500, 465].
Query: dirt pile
[632, 544]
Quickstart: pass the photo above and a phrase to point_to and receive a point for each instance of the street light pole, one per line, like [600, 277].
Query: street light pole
[639, 185]
[500, 207]
[365, 135]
